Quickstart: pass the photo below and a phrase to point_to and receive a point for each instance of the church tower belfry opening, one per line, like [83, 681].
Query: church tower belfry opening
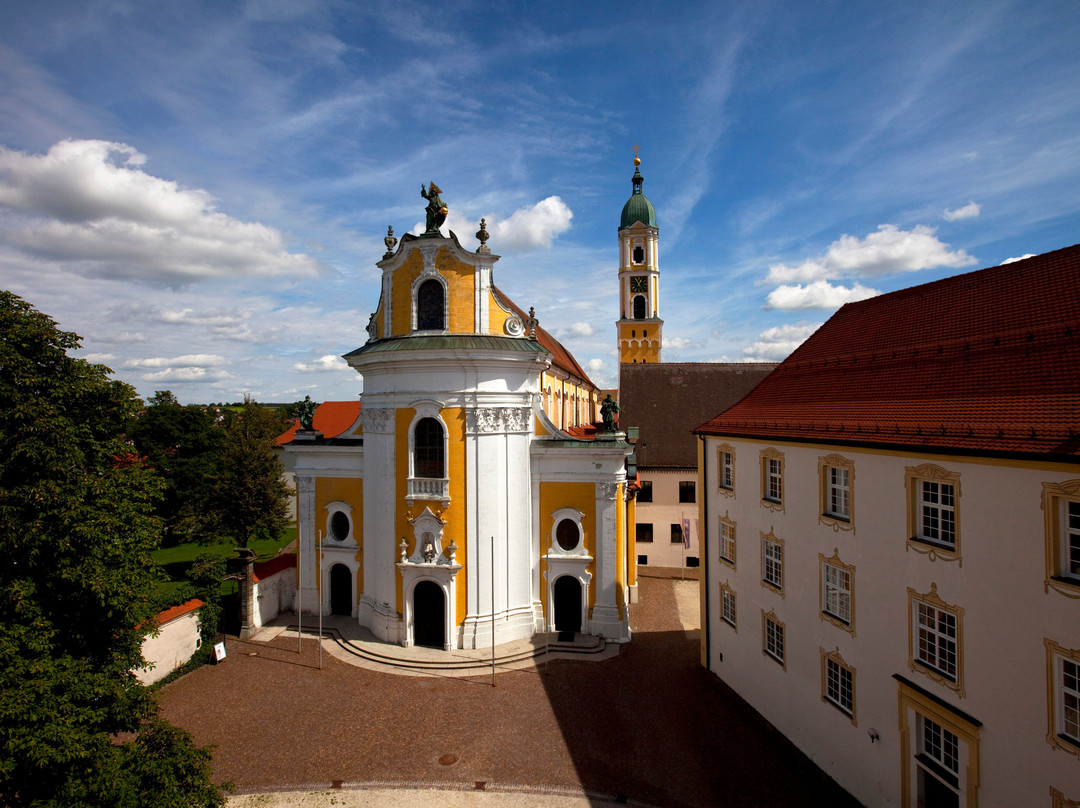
[640, 329]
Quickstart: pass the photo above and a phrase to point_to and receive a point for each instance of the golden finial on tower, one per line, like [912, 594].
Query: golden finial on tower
[637, 160]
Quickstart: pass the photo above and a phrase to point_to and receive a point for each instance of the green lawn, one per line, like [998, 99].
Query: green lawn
[175, 561]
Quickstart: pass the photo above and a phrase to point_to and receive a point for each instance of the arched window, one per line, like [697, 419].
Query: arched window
[639, 307]
[428, 459]
[639, 255]
[430, 307]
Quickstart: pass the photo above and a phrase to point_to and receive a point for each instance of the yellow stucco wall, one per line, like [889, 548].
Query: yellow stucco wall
[454, 516]
[497, 317]
[582, 496]
[461, 292]
[401, 293]
[349, 490]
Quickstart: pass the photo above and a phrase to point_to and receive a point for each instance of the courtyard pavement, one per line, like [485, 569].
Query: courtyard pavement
[648, 726]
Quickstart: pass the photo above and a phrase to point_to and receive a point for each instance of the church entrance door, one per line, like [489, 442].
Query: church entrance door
[340, 590]
[429, 615]
[567, 592]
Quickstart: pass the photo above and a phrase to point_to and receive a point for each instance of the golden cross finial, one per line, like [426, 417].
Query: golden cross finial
[637, 159]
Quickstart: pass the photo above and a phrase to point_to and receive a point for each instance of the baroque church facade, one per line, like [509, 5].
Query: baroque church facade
[476, 499]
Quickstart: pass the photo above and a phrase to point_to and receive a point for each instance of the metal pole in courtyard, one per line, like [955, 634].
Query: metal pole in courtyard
[299, 577]
[318, 568]
[544, 603]
[493, 611]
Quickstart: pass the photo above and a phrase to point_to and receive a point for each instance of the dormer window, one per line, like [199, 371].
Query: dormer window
[639, 254]
[430, 307]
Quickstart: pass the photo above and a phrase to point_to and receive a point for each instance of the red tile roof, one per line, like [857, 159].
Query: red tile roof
[983, 362]
[275, 565]
[331, 418]
[177, 611]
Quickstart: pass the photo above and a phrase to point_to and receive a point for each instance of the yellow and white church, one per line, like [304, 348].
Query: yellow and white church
[481, 494]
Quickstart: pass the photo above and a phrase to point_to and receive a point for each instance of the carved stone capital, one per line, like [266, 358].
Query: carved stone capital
[377, 419]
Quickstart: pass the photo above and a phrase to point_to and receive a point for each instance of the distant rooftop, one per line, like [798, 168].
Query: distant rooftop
[666, 401]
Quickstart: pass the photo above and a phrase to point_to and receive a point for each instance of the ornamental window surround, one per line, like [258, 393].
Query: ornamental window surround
[728, 611]
[933, 496]
[837, 584]
[1061, 515]
[725, 469]
[772, 479]
[726, 534]
[1063, 697]
[836, 480]
[936, 639]
[772, 562]
[838, 683]
[772, 638]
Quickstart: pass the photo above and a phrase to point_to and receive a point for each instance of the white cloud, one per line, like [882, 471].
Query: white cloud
[327, 362]
[1017, 258]
[186, 374]
[776, 344]
[816, 295]
[582, 329]
[89, 205]
[596, 365]
[530, 228]
[187, 360]
[888, 251]
[677, 343]
[969, 211]
[525, 229]
[99, 358]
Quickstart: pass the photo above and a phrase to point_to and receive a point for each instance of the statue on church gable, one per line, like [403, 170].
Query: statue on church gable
[436, 209]
[608, 410]
[306, 412]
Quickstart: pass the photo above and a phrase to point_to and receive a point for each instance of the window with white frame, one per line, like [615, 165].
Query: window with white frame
[1064, 697]
[838, 682]
[933, 511]
[727, 540]
[837, 581]
[772, 561]
[727, 605]
[937, 509]
[772, 631]
[725, 468]
[936, 638]
[772, 479]
[1061, 511]
[940, 751]
[836, 476]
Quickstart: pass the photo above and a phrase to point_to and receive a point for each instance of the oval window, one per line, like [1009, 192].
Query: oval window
[339, 525]
[566, 534]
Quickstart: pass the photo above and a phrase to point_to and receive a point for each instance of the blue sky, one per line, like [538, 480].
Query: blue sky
[201, 190]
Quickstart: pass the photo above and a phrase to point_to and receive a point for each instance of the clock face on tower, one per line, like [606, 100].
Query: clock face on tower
[639, 284]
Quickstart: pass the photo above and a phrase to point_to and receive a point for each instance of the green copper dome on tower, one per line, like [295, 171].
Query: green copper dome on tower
[638, 208]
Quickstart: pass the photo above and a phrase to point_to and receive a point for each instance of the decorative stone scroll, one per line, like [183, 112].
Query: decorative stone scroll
[498, 419]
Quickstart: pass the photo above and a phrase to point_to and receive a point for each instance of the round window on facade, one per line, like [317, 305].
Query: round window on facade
[339, 526]
[567, 535]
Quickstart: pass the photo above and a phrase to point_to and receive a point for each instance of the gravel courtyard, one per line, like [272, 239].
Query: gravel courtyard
[648, 727]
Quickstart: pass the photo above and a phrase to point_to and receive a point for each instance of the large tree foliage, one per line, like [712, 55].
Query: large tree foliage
[251, 496]
[76, 531]
[183, 443]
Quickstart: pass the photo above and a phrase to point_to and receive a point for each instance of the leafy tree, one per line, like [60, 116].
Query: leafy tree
[184, 445]
[76, 531]
[206, 573]
[251, 498]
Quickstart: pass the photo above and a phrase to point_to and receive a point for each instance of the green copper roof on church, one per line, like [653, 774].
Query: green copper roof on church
[638, 208]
